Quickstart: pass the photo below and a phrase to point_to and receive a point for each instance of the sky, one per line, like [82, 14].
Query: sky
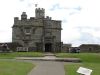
[80, 18]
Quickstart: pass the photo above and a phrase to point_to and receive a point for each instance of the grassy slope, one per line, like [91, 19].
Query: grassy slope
[21, 54]
[15, 68]
[90, 60]
[71, 69]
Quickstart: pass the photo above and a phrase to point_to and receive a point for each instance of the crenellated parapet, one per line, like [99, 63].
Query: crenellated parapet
[24, 16]
[40, 13]
[39, 32]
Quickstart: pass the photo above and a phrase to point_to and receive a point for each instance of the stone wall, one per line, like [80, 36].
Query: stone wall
[90, 48]
[10, 46]
[37, 31]
[66, 48]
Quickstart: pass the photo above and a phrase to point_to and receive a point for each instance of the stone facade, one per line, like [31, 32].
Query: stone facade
[90, 48]
[39, 33]
[10, 46]
[66, 48]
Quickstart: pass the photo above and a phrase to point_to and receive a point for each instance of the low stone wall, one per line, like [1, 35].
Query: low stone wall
[22, 49]
[25, 49]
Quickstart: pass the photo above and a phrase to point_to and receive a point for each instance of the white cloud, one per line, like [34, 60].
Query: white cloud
[80, 18]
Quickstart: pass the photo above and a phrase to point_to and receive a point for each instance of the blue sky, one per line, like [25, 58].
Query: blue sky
[80, 18]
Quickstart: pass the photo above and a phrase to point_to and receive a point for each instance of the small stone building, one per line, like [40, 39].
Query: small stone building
[10, 47]
[38, 33]
[66, 48]
[89, 48]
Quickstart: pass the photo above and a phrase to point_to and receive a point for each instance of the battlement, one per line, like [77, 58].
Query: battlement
[48, 18]
[16, 18]
[39, 13]
[23, 16]
[32, 18]
[23, 13]
[40, 9]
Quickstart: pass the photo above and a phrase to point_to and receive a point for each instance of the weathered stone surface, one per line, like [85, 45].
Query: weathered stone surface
[39, 32]
[90, 48]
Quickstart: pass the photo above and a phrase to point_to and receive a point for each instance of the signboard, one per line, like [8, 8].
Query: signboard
[84, 71]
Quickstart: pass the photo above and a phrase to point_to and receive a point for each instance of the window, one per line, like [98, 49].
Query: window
[27, 31]
[90, 49]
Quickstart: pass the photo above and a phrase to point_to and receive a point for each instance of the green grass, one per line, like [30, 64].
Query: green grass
[20, 54]
[89, 60]
[15, 68]
[29, 54]
[85, 57]
[71, 68]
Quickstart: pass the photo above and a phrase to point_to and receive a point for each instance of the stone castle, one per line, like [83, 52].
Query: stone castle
[38, 33]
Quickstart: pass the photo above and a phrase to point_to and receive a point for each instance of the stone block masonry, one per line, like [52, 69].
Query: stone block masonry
[40, 32]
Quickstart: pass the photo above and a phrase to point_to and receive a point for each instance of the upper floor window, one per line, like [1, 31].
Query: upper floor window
[27, 31]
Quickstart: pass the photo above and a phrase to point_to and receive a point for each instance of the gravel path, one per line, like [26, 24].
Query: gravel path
[48, 68]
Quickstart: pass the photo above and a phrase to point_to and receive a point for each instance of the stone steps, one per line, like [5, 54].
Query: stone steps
[49, 54]
[76, 60]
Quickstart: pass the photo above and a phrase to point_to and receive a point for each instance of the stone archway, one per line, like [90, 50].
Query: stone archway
[48, 47]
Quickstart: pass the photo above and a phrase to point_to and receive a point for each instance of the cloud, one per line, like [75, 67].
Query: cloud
[92, 30]
[5, 35]
[86, 38]
[77, 8]
[56, 6]
[21, 0]
[80, 18]
[64, 20]
[59, 6]
[87, 35]
[72, 13]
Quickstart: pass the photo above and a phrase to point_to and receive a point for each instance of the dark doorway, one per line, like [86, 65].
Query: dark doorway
[48, 47]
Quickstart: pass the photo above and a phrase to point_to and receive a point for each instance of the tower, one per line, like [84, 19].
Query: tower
[39, 13]
[23, 16]
[38, 33]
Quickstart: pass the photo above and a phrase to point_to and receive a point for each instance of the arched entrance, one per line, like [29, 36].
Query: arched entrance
[48, 47]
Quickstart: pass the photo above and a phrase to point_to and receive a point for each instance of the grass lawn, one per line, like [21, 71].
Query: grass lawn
[89, 60]
[15, 68]
[20, 54]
